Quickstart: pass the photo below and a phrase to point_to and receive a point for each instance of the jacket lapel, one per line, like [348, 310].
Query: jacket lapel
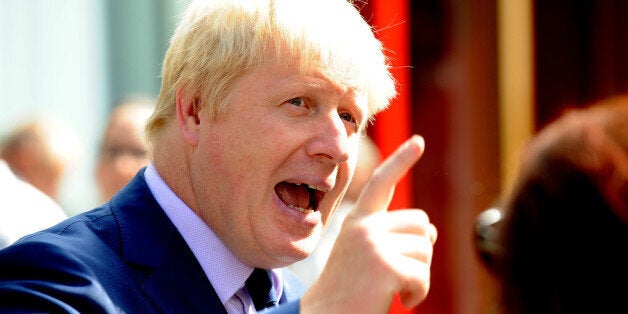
[178, 284]
[171, 276]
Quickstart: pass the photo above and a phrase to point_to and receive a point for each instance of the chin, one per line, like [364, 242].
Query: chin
[306, 246]
[299, 250]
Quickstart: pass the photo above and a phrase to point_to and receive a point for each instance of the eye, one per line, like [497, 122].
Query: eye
[348, 117]
[299, 102]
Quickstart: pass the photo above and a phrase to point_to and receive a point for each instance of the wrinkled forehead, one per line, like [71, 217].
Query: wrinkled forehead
[312, 74]
[309, 69]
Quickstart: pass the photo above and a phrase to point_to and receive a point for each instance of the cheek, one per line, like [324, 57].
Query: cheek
[225, 171]
[108, 173]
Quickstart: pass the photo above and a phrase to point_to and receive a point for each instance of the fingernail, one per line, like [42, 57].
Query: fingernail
[419, 140]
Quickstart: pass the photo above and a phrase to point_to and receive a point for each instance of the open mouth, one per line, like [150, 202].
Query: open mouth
[302, 197]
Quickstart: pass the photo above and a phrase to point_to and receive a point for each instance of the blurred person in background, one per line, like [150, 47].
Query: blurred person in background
[560, 239]
[369, 157]
[34, 157]
[40, 151]
[123, 149]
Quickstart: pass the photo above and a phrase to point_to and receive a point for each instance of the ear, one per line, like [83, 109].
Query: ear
[188, 120]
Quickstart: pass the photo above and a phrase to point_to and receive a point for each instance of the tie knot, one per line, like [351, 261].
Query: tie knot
[260, 287]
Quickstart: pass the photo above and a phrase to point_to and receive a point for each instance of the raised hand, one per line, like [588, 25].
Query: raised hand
[378, 253]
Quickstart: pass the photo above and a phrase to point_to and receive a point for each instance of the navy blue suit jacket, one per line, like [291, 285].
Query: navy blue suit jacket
[123, 257]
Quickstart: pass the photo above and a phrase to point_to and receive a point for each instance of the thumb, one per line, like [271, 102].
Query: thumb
[378, 192]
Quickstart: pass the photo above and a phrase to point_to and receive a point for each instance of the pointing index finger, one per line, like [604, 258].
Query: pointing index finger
[379, 190]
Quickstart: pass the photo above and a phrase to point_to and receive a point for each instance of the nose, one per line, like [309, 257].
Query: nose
[330, 143]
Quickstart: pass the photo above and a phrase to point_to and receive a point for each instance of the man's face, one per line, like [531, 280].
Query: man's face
[268, 175]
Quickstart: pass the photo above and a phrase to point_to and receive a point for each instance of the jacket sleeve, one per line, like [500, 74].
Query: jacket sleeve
[39, 277]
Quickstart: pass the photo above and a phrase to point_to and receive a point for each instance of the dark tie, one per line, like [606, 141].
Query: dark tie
[260, 288]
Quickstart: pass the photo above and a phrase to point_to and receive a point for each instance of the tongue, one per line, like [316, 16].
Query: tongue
[292, 194]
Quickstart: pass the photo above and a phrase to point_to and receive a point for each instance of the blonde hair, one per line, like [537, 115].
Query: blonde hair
[217, 41]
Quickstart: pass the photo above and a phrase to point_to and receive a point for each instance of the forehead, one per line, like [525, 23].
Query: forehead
[292, 79]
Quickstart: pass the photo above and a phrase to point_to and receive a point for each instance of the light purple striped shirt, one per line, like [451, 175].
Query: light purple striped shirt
[224, 271]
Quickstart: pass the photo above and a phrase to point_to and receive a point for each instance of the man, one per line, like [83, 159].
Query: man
[254, 142]
[123, 150]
